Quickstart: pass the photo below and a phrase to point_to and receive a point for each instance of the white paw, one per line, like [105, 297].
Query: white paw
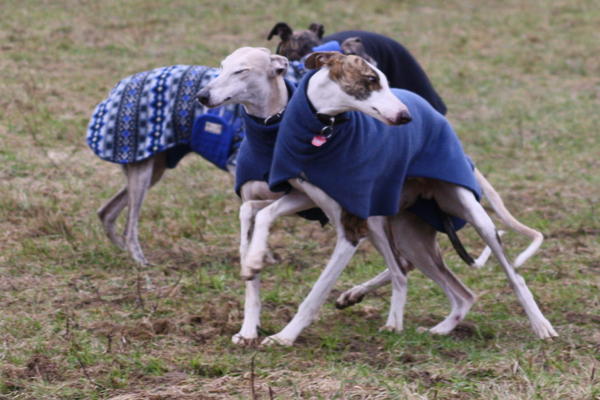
[544, 330]
[349, 298]
[440, 330]
[436, 330]
[242, 340]
[390, 328]
[276, 340]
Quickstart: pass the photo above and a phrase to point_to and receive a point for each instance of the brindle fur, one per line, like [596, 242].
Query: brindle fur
[352, 73]
[295, 45]
[355, 228]
[354, 46]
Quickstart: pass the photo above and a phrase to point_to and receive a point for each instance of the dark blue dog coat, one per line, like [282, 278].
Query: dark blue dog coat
[365, 163]
[256, 155]
[155, 111]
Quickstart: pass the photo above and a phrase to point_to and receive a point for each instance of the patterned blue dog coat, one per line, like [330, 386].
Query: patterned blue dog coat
[155, 111]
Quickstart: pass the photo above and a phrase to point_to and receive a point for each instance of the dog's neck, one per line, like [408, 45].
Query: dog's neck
[269, 101]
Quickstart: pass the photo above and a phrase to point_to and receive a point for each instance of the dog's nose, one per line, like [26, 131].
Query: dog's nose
[203, 97]
[403, 117]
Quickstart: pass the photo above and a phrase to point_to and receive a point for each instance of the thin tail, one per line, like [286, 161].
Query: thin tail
[507, 219]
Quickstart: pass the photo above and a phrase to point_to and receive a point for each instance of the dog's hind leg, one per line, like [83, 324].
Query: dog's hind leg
[458, 201]
[381, 241]
[415, 240]
[109, 213]
[249, 331]
[140, 177]
[356, 294]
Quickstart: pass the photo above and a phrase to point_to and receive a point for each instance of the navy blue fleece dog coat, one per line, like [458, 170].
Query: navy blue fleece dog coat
[256, 155]
[365, 163]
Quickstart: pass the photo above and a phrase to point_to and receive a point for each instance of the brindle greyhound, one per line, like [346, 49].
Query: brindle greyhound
[340, 86]
[237, 83]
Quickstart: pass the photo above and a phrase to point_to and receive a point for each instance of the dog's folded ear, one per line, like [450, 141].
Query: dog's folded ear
[279, 65]
[317, 59]
[318, 29]
[282, 30]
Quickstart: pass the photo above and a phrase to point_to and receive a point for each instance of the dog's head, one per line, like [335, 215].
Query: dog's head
[354, 46]
[295, 45]
[347, 83]
[244, 76]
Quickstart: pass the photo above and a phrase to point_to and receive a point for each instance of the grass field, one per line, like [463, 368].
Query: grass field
[522, 82]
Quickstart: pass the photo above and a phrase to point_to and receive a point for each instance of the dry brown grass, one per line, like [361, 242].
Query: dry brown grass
[521, 81]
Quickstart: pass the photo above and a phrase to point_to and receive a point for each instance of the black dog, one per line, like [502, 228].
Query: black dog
[393, 59]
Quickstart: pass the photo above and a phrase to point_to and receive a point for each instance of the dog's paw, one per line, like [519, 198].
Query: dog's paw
[390, 328]
[544, 330]
[275, 340]
[349, 298]
[241, 340]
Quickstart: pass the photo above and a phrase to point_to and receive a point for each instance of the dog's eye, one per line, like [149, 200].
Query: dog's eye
[239, 71]
[372, 78]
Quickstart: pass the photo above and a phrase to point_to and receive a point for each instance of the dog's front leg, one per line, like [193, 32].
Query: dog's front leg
[343, 252]
[248, 210]
[291, 203]
[309, 309]
[249, 331]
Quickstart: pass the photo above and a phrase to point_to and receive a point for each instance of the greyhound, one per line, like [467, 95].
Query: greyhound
[345, 83]
[146, 124]
[237, 83]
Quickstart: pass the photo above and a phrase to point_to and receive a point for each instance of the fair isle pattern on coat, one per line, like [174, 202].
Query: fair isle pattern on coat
[154, 111]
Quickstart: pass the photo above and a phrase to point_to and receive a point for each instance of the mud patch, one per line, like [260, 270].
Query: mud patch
[39, 366]
[582, 318]
[427, 378]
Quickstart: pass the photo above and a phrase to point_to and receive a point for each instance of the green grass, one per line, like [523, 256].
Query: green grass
[521, 80]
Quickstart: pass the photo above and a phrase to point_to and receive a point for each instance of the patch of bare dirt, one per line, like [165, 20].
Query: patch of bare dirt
[177, 392]
[427, 378]
[582, 318]
[39, 366]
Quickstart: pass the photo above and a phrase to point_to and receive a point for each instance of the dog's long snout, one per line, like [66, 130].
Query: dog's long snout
[203, 97]
[403, 117]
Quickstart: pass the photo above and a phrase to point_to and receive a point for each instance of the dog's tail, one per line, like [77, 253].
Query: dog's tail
[507, 219]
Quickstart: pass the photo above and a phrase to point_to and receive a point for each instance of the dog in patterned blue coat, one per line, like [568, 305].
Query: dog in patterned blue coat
[148, 123]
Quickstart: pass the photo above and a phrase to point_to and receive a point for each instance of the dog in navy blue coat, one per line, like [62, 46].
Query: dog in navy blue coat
[265, 104]
[333, 137]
